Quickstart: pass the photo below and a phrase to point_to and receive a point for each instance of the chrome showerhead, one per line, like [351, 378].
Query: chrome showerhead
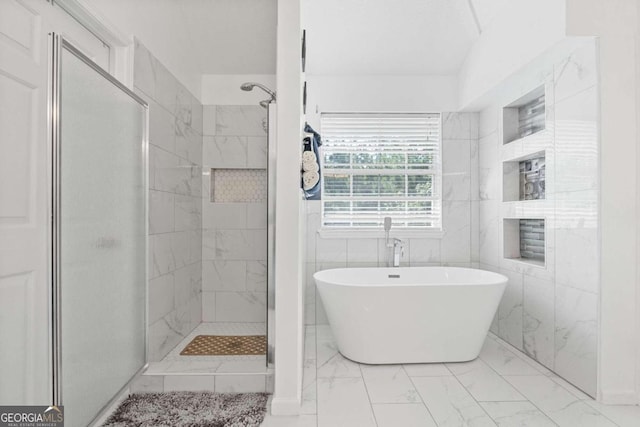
[250, 85]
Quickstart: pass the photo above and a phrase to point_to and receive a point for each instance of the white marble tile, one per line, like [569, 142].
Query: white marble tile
[188, 213]
[161, 212]
[389, 384]
[242, 366]
[510, 310]
[180, 248]
[148, 384]
[449, 403]
[509, 414]
[208, 306]
[576, 337]
[257, 152]
[162, 257]
[577, 72]
[576, 142]
[245, 120]
[505, 361]
[335, 366]
[160, 297]
[166, 88]
[161, 127]
[162, 338]
[222, 275]
[482, 382]
[257, 276]
[289, 421]
[577, 258]
[310, 343]
[194, 241]
[144, 69]
[240, 383]
[225, 152]
[539, 319]
[208, 243]
[456, 126]
[456, 156]
[424, 250]
[188, 177]
[475, 231]
[224, 215]
[241, 244]
[343, 402]
[241, 306]
[427, 370]
[209, 120]
[556, 402]
[489, 242]
[163, 167]
[186, 367]
[197, 112]
[362, 250]
[456, 186]
[488, 121]
[622, 415]
[331, 250]
[405, 415]
[455, 245]
[257, 215]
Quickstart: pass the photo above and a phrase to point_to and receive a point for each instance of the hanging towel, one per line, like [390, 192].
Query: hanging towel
[310, 179]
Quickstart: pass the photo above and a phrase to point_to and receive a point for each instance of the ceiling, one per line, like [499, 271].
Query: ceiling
[344, 37]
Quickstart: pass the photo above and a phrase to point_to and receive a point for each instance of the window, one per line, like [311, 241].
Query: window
[379, 165]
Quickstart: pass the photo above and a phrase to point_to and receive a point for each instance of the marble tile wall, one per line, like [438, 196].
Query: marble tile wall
[460, 202]
[234, 245]
[175, 204]
[550, 312]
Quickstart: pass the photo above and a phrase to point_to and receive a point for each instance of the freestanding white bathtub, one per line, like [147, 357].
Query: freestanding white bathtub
[410, 314]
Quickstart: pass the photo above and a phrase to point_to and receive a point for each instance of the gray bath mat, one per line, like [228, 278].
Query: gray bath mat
[190, 409]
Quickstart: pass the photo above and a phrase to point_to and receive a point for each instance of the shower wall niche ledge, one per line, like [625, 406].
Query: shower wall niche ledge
[524, 240]
[524, 178]
[238, 185]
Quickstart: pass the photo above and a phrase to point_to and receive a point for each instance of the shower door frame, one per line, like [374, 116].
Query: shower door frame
[57, 45]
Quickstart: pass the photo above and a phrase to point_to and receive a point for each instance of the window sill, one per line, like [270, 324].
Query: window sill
[399, 233]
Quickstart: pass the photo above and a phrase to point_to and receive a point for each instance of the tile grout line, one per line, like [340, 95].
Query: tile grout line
[366, 389]
[421, 399]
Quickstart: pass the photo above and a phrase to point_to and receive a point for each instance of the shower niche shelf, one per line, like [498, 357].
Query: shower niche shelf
[524, 240]
[524, 117]
[524, 178]
[238, 186]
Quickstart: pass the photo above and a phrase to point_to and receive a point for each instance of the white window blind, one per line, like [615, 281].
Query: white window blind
[378, 165]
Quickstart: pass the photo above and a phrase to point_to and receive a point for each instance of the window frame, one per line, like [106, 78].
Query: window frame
[435, 231]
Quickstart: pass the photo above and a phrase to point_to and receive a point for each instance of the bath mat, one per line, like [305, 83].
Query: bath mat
[192, 409]
[226, 345]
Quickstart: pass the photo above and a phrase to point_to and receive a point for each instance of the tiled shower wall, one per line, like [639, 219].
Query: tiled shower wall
[235, 234]
[457, 247]
[175, 204]
[550, 312]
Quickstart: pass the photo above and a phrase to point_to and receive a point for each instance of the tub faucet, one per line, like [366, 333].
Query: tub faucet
[398, 251]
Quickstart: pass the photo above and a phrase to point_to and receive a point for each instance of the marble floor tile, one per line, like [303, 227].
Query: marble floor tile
[622, 415]
[403, 414]
[299, 421]
[483, 383]
[507, 360]
[338, 366]
[343, 402]
[557, 403]
[389, 384]
[427, 370]
[512, 414]
[449, 403]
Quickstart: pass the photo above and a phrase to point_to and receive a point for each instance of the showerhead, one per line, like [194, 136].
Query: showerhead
[250, 85]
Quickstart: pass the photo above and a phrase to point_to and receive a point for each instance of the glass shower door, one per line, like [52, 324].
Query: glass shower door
[100, 261]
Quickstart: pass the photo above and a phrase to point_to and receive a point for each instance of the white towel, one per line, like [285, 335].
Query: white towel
[310, 179]
[310, 166]
[309, 156]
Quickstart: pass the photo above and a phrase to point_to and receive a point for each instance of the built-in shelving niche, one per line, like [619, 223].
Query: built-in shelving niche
[238, 186]
[524, 240]
[524, 116]
[524, 178]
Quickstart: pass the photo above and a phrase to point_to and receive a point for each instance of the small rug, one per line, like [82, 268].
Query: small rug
[190, 409]
[226, 345]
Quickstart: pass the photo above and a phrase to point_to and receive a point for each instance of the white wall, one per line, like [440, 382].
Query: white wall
[289, 306]
[616, 24]
[522, 31]
[375, 93]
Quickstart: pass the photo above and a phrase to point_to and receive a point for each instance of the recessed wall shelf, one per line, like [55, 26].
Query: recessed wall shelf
[524, 116]
[524, 240]
[524, 178]
[238, 185]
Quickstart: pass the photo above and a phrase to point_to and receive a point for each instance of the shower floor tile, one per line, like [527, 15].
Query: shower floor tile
[176, 364]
